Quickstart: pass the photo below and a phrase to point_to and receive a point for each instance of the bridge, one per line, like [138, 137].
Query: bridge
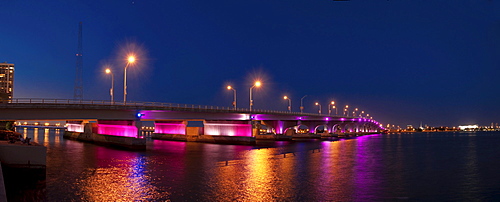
[180, 121]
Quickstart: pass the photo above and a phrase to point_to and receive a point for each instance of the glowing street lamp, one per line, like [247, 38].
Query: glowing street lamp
[289, 103]
[130, 60]
[319, 111]
[332, 103]
[234, 92]
[257, 84]
[354, 112]
[336, 111]
[302, 104]
[111, 91]
[346, 111]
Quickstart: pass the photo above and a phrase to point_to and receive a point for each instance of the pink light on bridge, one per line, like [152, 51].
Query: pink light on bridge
[170, 128]
[228, 129]
[117, 130]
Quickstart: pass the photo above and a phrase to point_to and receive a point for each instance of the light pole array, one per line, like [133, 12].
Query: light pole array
[302, 104]
[257, 84]
[234, 92]
[317, 103]
[289, 103]
[111, 91]
[130, 60]
[332, 103]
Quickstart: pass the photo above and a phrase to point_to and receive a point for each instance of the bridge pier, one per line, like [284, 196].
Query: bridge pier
[119, 133]
[199, 130]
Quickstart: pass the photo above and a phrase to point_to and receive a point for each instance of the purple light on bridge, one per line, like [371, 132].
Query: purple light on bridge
[170, 128]
[326, 119]
[280, 127]
[117, 130]
[228, 129]
[342, 119]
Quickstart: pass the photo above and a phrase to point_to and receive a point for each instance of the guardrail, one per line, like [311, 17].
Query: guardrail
[159, 105]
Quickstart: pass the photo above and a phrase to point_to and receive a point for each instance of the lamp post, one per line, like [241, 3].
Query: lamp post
[130, 60]
[354, 112]
[234, 93]
[289, 103]
[257, 84]
[361, 115]
[336, 111]
[330, 107]
[302, 104]
[346, 111]
[111, 91]
[319, 111]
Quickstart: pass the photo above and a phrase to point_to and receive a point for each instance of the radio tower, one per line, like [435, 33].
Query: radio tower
[78, 95]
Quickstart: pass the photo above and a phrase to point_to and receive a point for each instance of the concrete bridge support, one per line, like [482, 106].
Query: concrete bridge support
[280, 126]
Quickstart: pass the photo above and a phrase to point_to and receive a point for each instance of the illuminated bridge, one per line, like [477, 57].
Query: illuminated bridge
[125, 119]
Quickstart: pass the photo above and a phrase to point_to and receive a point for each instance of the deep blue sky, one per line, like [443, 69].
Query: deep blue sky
[402, 61]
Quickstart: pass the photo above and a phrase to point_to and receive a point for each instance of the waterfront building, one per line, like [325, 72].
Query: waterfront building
[6, 81]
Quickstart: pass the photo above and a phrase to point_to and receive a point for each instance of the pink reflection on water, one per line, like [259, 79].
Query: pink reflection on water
[170, 128]
[229, 129]
[118, 130]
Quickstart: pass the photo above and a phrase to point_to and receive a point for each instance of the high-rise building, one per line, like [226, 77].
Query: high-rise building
[6, 81]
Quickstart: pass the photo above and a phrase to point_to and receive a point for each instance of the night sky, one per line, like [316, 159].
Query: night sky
[403, 62]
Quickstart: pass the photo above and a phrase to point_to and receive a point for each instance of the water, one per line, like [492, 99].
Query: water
[415, 167]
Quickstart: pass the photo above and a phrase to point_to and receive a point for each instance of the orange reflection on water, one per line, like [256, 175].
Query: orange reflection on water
[122, 179]
[258, 182]
[57, 136]
[261, 175]
[35, 134]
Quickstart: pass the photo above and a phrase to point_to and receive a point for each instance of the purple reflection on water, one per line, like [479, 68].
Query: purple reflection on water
[365, 178]
[118, 130]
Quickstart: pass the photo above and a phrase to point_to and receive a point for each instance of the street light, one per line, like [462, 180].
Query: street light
[336, 111]
[234, 92]
[332, 103]
[111, 91]
[257, 84]
[346, 111]
[289, 103]
[319, 111]
[130, 60]
[302, 104]
[354, 112]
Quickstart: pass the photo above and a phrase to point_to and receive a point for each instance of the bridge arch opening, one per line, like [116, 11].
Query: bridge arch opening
[321, 129]
[336, 128]
[302, 129]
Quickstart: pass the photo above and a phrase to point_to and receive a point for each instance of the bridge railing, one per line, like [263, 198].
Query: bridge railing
[191, 107]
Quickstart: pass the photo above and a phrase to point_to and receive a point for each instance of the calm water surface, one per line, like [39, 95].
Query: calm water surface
[419, 166]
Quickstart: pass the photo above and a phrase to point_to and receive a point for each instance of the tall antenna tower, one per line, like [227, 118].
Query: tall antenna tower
[78, 95]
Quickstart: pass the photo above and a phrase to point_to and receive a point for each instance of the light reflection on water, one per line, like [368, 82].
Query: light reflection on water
[443, 166]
